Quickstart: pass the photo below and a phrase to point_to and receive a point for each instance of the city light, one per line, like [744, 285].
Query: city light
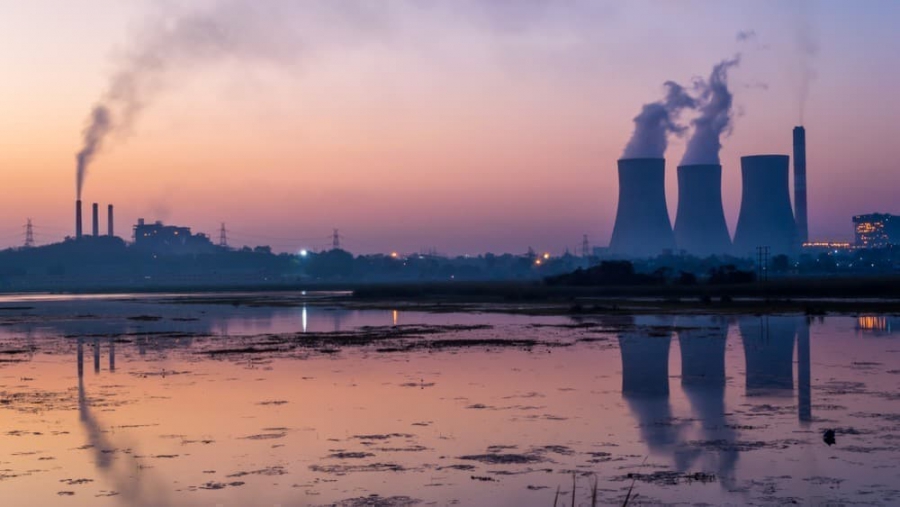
[303, 253]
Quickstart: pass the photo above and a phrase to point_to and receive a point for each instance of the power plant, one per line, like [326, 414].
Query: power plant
[642, 226]
[700, 219]
[765, 219]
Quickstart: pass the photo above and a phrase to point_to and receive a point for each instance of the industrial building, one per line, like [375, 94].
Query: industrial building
[170, 239]
[876, 230]
[765, 218]
[700, 227]
[642, 227]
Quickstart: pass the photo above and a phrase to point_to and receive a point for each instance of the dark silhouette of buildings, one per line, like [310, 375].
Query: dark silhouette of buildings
[170, 239]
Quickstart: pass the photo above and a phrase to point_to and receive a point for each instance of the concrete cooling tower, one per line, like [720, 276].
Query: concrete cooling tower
[642, 226]
[700, 227]
[766, 218]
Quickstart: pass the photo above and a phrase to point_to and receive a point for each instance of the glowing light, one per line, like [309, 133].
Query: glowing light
[538, 262]
[394, 255]
[546, 256]
[303, 253]
[396, 316]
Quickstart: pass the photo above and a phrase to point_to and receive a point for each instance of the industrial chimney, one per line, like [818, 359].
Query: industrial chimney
[109, 220]
[800, 184]
[78, 219]
[700, 227]
[642, 226]
[765, 219]
[96, 219]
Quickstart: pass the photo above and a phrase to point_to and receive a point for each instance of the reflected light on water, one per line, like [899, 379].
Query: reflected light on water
[873, 323]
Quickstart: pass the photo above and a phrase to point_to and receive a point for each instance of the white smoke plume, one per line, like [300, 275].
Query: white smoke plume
[714, 121]
[807, 49]
[656, 121]
[235, 30]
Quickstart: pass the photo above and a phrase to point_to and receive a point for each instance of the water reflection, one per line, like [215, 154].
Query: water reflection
[877, 325]
[768, 344]
[644, 344]
[769, 354]
[136, 485]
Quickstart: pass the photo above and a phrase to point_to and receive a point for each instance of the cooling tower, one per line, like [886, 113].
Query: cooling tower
[109, 220]
[78, 218]
[642, 226]
[800, 184]
[766, 218]
[700, 227]
[96, 219]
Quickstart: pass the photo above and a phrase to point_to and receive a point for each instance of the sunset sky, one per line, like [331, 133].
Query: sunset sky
[460, 125]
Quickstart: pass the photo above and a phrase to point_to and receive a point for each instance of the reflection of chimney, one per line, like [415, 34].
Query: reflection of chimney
[804, 383]
[109, 220]
[96, 221]
[78, 218]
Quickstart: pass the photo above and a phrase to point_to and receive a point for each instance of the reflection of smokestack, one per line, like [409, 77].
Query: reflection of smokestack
[109, 221]
[700, 221]
[800, 184]
[766, 218]
[78, 218]
[642, 226]
[96, 219]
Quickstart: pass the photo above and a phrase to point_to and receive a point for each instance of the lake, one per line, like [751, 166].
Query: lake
[300, 400]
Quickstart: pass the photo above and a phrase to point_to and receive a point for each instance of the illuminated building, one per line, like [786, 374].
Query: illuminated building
[876, 230]
[161, 238]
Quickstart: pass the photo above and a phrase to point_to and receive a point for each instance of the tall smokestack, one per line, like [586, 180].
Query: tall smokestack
[800, 184]
[96, 219]
[78, 219]
[109, 220]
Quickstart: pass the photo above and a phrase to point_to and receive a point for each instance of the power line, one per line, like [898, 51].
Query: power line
[223, 236]
[29, 234]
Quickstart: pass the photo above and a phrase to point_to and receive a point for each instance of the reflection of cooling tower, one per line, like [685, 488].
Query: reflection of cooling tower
[766, 218]
[645, 357]
[769, 353]
[702, 343]
[642, 225]
[700, 221]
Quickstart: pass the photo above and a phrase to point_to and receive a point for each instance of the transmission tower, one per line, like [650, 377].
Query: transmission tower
[223, 236]
[29, 234]
[335, 240]
[585, 247]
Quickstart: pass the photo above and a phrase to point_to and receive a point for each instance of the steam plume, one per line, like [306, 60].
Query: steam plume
[715, 116]
[807, 48]
[655, 121]
[238, 30]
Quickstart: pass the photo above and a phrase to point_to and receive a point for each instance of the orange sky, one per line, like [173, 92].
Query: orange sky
[441, 130]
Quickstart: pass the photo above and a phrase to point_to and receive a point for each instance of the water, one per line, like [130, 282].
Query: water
[726, 410]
